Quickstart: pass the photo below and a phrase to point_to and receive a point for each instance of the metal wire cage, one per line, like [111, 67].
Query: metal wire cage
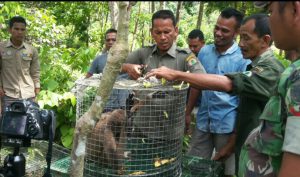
[140, 132]
[36, 157]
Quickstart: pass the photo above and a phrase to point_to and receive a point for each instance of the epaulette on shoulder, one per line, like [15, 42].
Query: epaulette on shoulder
[184, 50]
[149, 46]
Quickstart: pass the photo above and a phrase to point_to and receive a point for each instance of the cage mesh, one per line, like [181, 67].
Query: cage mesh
[140, 131]
[36, 157]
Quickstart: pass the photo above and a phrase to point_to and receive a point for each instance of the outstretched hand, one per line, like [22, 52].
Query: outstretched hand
[162, 72]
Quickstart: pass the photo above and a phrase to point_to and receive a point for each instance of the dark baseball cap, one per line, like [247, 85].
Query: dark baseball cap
[261, 4]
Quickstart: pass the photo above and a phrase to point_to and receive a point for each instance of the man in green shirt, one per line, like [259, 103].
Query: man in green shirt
[165, 52]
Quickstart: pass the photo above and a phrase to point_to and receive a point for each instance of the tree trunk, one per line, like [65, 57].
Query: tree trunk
[161, 5]
[200, 15]
[235, 4]
[135, 28]
[152, 7]
[178, 11]
[113, 14]
[243, 7]
[116, 57]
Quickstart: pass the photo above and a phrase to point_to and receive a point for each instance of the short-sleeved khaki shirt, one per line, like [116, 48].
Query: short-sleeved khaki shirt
[175, 58]
[19, 69]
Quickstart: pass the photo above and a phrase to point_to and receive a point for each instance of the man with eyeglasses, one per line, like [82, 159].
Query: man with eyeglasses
[99, 62]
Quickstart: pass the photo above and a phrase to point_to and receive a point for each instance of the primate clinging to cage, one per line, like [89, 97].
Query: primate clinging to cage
[105, 145]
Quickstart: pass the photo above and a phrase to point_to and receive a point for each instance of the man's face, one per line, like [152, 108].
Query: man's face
[164, 33]
[225, 31]
[110, 40]
[195, 45]
[291, 55]
[281, 25]
[18, 31]
[251, 45]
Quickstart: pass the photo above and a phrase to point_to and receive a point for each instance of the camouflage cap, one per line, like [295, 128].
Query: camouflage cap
[261, 4]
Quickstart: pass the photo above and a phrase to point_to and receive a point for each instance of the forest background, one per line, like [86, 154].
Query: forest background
[68, 36]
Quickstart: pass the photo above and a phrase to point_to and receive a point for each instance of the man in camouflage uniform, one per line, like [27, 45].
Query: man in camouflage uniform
[273, 148]
[258, 83]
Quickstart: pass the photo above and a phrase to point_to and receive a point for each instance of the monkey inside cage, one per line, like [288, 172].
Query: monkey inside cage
[140, 131]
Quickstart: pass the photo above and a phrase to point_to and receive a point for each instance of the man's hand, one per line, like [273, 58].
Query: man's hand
[163, 72]
[227, 150]
[37, 91]
[2, 93]
[133, 70]
[187, 129]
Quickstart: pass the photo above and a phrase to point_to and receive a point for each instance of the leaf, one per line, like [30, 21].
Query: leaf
[67, 141]
[51, 84]
[64, 129]
[71, 96]
[67, 135]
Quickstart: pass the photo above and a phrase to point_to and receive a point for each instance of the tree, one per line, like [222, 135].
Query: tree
[178, 11]
[200, 15]
[135, 28]
[161, 5]
[116, 57]
[113, 14]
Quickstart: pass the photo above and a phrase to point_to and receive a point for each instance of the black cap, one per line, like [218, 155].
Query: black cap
[261, 4]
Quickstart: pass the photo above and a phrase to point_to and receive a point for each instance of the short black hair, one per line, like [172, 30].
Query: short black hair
[164, 14]
[196, 33]
[262, 25]
[16, 19]
[111, 30]
[231, 12]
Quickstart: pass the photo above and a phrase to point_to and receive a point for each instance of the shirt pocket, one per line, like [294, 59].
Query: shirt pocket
[271, 131]
[26, 60]
[7, 61]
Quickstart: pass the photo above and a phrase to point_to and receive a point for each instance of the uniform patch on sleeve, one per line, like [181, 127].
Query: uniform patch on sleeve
[191, 60]
[247, 73]
[295, 110]
[257, 69]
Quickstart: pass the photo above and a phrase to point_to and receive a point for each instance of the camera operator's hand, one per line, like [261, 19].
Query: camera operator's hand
[2, 93]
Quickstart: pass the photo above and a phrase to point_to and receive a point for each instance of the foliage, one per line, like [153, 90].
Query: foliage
[283, 60]
[68, 36]
[63, 65]
[64, 107]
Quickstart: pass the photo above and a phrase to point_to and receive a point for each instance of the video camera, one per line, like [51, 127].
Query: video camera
[22, 121]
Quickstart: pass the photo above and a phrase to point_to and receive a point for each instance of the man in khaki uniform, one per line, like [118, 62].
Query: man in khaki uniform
[19, 66]
[164, 53]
